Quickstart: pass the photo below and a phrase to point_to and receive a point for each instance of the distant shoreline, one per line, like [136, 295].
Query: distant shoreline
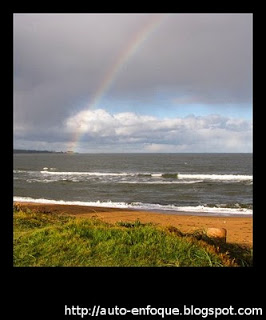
[42, 151]
[74, 152]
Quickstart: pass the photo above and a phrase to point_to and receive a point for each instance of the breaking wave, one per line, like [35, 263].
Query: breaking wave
[179, 176]
[219, 177]
[221, 210]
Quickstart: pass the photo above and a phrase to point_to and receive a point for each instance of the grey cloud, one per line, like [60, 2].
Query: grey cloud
[60, 60]
[206, 56]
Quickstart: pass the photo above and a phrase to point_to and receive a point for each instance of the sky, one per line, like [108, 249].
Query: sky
[133, 82]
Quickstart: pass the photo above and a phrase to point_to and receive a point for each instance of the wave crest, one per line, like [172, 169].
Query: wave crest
[236, 209]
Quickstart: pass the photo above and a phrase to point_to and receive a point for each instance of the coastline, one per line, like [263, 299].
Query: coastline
[239, 228]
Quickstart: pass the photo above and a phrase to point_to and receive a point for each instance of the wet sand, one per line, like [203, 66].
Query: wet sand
[239, 229]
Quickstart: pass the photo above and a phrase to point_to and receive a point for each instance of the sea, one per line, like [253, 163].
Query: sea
[201, 184]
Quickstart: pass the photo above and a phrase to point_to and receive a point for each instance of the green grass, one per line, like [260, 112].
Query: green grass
[47, 239]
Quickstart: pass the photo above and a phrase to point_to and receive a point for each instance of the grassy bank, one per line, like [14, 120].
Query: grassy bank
[47, 239]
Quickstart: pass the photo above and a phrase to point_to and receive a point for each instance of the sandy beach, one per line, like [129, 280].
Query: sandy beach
[239, 229]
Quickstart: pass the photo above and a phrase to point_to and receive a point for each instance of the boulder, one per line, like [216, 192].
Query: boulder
[218, 234]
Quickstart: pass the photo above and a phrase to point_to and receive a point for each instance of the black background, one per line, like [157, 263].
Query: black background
[42, 293]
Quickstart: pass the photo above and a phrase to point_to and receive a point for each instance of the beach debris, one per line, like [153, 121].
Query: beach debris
[218, 234]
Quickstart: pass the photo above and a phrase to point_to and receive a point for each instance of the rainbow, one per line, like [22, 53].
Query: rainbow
[130, 49]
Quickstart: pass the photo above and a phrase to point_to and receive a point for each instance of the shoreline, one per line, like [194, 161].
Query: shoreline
[239, 228]
[199, 210]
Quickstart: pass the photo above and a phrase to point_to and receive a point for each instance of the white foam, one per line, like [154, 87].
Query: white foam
[232, 177]
[162, 182]
[80, 203]
[156, 174]
[38, 180]
[70, 173]
[180, 176]
[217, 210]
[143, 206]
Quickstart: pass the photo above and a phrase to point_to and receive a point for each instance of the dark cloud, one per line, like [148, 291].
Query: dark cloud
[60, 61]
[203, 55]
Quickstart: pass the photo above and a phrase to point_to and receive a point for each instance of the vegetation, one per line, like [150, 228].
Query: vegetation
[48, 239]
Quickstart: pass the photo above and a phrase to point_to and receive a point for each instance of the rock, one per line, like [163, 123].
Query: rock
[218, 234]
